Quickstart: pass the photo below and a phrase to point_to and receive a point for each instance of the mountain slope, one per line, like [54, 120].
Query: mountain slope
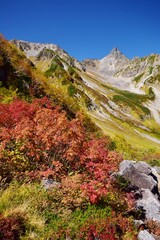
[131, 90]
[55, 174]
[122, 96]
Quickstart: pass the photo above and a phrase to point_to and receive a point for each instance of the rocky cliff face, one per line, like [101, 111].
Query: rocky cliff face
[33, 49]
[114, 61]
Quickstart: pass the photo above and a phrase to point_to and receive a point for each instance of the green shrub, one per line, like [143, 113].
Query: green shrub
[72, 90]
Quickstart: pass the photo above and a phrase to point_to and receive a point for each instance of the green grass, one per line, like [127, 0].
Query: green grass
[133, 103]
[38, 208]
[26, 200]
[138, 78]
[129, 143]
[151, 59]
[151, 69]
[133, 100]
[124, 127]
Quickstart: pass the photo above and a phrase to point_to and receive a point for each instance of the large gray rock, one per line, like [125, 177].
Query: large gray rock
[149, 204]
[139, 174]
[145, 235]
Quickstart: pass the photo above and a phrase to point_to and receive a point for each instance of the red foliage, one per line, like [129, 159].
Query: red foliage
[108, 234]
[109, 228]
[99, 229]
[37, 136]
[11, 228]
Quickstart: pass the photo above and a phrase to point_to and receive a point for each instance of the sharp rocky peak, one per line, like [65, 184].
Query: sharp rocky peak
[115, 50]
[116, 54]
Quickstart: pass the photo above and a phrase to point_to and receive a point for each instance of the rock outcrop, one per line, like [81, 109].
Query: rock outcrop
[43, 51]
[145, 235]
[144, 183]
[140, 174]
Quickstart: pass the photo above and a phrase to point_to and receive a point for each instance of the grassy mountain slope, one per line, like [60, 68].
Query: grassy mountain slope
[122, 112]
[131, 113]
[55, 174]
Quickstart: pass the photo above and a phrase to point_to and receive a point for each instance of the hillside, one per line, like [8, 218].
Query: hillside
[61, 176]
[121, 95]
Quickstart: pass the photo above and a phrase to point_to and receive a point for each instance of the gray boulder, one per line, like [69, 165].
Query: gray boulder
[139, 174]
[145, 235]
[150, 204]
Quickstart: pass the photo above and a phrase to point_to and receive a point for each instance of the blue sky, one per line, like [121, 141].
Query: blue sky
[85, 28]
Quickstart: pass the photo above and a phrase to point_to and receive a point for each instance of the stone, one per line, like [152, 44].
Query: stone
[150, 204]
[125, 164]
[145, 235]
[139, 174]
[156, 172]
[157, 169]
[156, 237]
[49, 183]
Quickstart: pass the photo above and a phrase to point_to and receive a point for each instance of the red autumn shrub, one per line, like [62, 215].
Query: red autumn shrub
[38, 137]
[11, 227]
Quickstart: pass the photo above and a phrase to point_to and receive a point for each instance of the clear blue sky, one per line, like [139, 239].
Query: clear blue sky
[85, 28]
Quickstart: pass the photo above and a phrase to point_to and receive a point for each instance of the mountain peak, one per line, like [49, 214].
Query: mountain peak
[115, 49]
[116, 53]
[113, 61]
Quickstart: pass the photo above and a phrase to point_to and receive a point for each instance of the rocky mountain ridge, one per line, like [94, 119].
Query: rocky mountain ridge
[44, 51]
[137, 75]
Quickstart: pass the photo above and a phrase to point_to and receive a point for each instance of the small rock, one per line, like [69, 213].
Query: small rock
[49, 183]
[145, 235]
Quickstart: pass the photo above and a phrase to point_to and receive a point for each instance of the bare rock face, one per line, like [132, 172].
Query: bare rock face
[112, 62]
[109, 64]
[33, 49]
[22, 45]
[89, 63]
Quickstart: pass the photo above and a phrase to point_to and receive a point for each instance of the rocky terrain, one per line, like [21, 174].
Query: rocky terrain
[144, 184]
[42, 51]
